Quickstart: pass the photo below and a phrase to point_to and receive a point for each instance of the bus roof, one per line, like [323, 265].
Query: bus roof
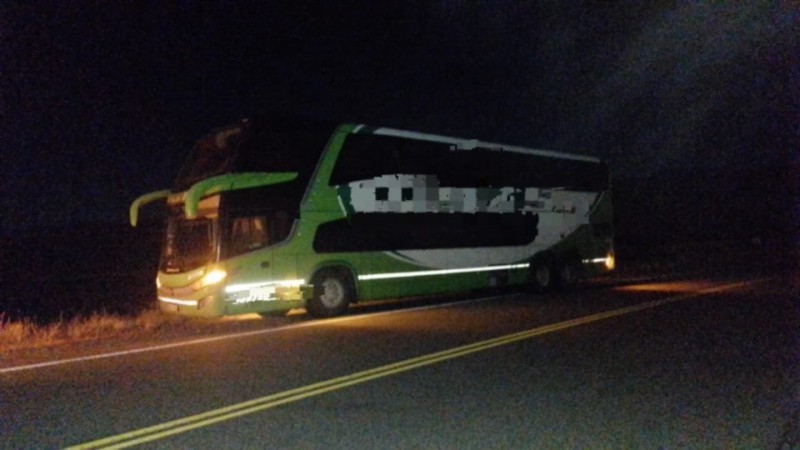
[468, 144]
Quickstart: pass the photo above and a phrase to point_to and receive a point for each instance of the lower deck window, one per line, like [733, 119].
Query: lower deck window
[254, 232]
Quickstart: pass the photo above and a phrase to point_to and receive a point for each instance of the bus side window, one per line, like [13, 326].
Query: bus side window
[248, 233]
[281, 226]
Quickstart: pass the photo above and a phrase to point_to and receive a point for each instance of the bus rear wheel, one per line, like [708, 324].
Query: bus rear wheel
[568, 275]
[541, 277]
[333, 292]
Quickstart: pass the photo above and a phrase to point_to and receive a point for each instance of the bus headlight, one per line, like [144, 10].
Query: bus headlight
[213, 277]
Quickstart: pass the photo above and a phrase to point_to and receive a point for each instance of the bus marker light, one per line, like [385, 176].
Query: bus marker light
[609, 261]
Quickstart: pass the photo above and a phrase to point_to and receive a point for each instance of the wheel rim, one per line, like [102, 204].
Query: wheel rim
[332, 293]
[542, 276]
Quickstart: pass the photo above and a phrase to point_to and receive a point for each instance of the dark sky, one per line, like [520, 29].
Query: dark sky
[101, 101]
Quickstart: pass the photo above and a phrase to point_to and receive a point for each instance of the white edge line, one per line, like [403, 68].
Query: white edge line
[310, 324]
[235, 335]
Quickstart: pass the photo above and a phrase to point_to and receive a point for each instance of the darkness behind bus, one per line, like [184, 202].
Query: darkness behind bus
[81, 269]
[673, 223]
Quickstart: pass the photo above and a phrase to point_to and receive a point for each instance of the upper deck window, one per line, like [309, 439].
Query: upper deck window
[213, 155]
[368, 156]
[257, 145]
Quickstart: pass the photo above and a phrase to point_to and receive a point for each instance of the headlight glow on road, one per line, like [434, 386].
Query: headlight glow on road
[672, 286]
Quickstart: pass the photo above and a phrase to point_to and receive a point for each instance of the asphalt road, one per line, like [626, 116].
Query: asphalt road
[693, 363]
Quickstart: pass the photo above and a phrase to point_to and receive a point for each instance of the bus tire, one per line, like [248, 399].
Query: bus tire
[568, 275]
[541, 276]
[333, 292]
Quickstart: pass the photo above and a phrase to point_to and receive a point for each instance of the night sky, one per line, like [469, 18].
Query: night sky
[100, 102]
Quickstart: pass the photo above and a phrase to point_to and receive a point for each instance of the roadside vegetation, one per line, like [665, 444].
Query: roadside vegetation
[25, 333]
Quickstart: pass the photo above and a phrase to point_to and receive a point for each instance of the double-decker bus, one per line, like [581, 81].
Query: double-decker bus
[272, 214]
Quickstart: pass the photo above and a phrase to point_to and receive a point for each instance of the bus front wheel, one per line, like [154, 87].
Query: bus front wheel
[333, 292]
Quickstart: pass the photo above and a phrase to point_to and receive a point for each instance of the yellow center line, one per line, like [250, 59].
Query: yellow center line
[188, 423]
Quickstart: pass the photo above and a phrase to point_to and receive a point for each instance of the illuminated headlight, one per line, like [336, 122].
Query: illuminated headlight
[158, 283]
[211, 278]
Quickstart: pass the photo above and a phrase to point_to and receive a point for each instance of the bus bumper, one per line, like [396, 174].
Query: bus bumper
[207, 306]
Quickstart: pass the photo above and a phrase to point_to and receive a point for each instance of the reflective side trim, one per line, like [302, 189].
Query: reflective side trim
[247, 286]
[425, 273]
[608, 261]
[175, 301]
[595, 260]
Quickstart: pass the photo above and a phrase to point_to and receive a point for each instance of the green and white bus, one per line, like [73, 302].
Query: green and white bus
[270, 215]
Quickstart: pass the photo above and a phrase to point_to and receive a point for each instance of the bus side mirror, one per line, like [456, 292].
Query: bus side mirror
[144, 200]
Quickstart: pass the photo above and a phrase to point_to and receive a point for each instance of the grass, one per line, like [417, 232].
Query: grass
[19, 334]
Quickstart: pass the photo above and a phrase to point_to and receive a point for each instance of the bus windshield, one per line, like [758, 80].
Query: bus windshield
[191, 243]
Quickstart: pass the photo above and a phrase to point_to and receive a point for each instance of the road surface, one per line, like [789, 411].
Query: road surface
[690, 363]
